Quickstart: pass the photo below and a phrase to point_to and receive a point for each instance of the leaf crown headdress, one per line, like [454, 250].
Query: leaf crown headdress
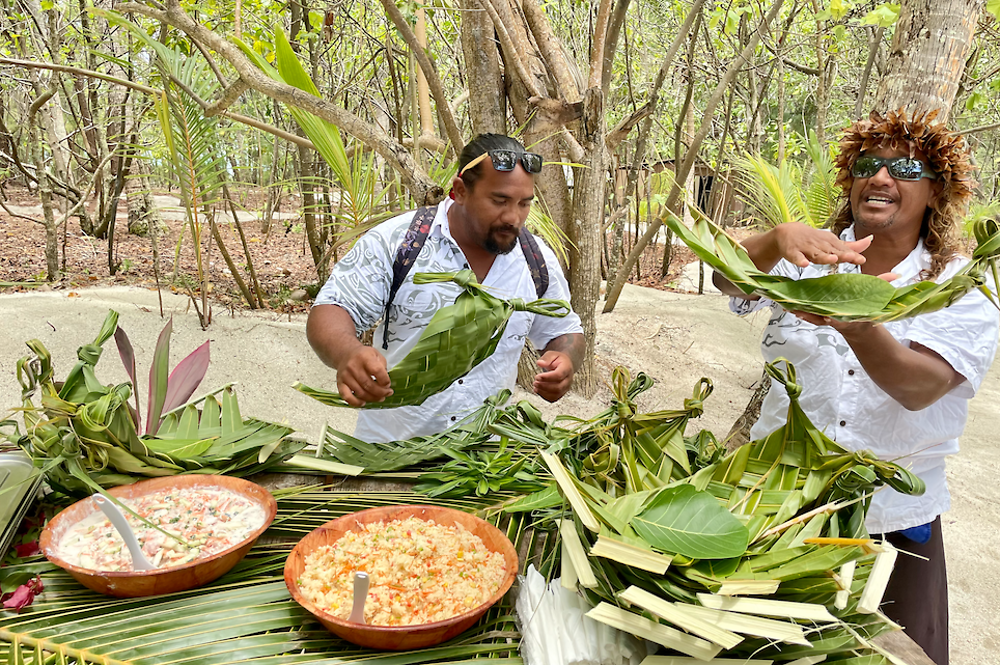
[947, 152]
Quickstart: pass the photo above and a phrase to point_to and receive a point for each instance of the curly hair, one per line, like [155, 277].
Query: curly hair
[948, 155]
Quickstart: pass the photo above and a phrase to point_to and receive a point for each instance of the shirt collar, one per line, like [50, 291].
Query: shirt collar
[909, 269]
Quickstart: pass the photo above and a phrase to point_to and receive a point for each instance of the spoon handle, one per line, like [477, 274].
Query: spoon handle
[360, 595]
[110, 510]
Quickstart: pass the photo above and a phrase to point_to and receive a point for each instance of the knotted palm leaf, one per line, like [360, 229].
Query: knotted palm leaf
[743, 524]
[459, 337]
[842, 296]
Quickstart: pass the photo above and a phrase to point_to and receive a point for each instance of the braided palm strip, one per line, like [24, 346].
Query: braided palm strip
[459, 337]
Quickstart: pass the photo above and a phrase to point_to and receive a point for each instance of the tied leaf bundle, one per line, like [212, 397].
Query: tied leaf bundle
[842, 296]
[780, 520]
[85, 436]
[457, 339]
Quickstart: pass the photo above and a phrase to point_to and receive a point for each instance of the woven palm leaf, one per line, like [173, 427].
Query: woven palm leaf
[842, 296]
[459, 337]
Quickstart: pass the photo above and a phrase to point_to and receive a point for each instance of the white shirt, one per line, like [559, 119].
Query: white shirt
[360, 283]
[842, 401]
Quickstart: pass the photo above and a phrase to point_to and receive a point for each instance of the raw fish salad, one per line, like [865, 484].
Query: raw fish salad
[419, 572]
[207, 521]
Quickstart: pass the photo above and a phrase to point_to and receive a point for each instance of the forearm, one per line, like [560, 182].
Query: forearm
[331, 334]
[916, 376]
[573, 345]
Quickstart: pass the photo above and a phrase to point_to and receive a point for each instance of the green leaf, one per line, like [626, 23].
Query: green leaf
[844, 294]
[685, 521]
[993, 7]
[884, 16]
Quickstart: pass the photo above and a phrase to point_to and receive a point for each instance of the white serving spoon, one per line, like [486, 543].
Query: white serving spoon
[360, 595]
[110, 510]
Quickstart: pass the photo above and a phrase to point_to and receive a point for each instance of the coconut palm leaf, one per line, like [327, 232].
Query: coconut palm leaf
[773, 191]
[822, 193]
[246, 616]
[846, 297]
[458, 338]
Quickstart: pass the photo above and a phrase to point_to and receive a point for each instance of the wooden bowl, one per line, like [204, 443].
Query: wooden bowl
[399, 638]
[130, 584]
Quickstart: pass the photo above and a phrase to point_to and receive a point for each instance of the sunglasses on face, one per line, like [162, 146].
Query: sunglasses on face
[506, 160]
[900, 168]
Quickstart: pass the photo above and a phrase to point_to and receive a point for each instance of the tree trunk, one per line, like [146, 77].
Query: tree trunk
[927, 58]
[588, 218]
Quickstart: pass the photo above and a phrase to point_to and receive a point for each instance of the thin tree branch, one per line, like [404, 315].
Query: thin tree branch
[600, 39]
[433, 80]
[511, 52]
[692, 153]
[229, 96]
[548, 47]
[981, 128]
[423, 188]
[859, 104]
[621, 130]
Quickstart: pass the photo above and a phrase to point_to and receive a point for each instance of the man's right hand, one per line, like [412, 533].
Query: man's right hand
[802, 244]
[799, 244]
[363, 377]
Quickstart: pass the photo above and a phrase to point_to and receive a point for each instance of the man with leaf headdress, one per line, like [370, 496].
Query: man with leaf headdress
[479, 229]
[899, 389]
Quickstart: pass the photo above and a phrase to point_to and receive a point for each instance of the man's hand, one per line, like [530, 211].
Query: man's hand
[556, 376]
[802, 244]
[363, 377]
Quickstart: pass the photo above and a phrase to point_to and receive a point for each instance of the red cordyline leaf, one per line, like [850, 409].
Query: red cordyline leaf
[23, 595]
[127, 354]
[158, 376]
[27, 549]
[185, 378]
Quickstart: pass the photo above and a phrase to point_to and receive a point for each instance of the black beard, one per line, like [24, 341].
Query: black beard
[494, 247]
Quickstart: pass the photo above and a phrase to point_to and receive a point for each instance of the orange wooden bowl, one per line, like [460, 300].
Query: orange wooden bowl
[399, 638]
[130, 584]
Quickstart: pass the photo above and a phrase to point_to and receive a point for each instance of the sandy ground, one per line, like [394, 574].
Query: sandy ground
[675, 338]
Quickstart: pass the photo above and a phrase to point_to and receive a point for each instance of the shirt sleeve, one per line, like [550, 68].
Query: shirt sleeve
[360, 281]
[544, 329]
[744, 306]
[964, 334]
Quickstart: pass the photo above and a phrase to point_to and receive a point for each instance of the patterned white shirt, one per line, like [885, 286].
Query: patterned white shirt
[360, 283]
[841, 399]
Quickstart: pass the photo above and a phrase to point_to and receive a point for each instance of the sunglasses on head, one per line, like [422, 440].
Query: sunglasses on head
[506, 160]
[900, 168]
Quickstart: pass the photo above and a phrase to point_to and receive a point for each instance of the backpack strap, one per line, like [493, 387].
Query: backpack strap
[414, 240]
[536, 261]
[406, 255]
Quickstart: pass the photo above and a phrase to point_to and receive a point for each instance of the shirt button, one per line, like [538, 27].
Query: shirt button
[842, 422]
[461, 381]
[850, 372]
[454, 418]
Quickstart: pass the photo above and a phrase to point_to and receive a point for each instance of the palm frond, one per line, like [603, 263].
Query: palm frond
[822, 192]
[773, 192]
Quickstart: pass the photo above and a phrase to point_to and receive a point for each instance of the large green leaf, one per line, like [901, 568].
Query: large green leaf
[684, 521]
[839, 294]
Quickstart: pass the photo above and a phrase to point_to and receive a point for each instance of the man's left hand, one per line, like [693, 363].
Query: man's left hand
[556, 376]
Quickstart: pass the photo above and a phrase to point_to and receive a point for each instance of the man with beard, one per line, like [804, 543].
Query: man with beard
[481, 227]
[900, 389]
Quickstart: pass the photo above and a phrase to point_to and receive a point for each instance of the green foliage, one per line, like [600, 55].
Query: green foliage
[884, 16]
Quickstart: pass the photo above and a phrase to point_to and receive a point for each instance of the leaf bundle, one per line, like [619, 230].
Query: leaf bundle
[457, 339]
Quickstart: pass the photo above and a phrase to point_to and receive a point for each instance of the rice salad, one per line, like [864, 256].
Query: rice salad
[419, 572]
